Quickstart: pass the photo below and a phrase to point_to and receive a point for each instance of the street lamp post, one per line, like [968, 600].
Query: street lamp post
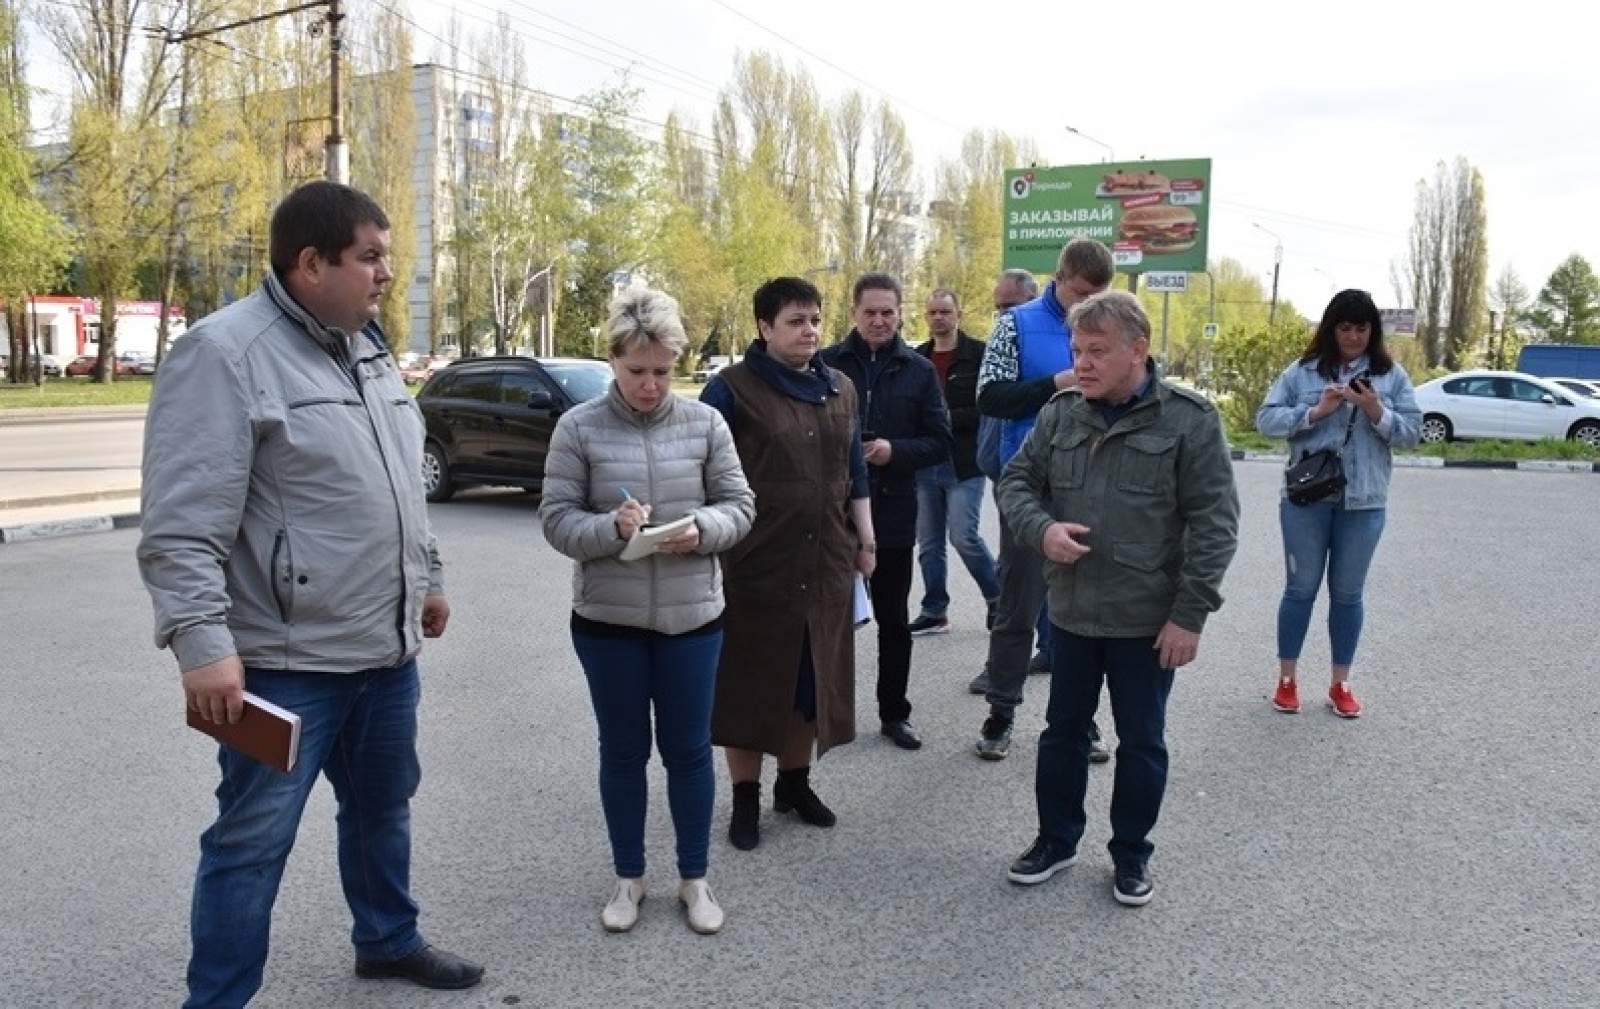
[1110, 154]
[1277, 264]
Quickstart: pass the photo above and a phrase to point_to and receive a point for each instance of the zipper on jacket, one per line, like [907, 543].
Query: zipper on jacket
[650, 489]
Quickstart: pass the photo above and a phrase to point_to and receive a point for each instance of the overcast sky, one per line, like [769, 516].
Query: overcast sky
[1319, 120]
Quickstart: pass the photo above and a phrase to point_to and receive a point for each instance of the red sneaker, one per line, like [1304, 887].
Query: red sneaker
[1287, 697]
[1343, 702]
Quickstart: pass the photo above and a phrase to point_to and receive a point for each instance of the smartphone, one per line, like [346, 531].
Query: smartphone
[1362, 383]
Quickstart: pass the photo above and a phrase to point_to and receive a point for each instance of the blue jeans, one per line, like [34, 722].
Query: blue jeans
[360, 729]
[1317, 537]
[950, 507]
[1139, 688]
[677, 674]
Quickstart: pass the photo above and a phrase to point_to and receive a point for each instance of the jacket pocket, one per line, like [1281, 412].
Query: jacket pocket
[1148, 464]
[1141, 590]
[305, 401]
[1069, 459]
[282, 568]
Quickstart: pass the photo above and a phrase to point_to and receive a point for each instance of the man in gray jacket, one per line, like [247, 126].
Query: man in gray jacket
[286, 548]
[1125, 485]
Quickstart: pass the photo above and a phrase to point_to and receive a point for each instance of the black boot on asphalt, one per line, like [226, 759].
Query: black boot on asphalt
[793, 793]
[744, 829]
[429, 967]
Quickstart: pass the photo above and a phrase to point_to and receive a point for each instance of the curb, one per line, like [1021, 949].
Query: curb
[78, 497]
[1434, 462]
[67, 527]
[70, 414]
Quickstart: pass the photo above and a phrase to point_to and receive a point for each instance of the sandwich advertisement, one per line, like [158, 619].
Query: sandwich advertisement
[1152, 214]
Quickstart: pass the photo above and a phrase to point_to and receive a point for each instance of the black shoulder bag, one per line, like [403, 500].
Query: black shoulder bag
[1320, 475]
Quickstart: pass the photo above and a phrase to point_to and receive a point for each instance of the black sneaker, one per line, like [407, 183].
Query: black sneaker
[995, 740]
[1133, 887]
[1040, 663]
[929, 625]
[979, 684]
[1046, 858]
[1099, 752]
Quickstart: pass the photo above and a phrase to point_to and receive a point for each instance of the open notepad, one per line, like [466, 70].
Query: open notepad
[647, 539]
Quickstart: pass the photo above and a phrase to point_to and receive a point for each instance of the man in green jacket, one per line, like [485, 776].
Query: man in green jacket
[1126, 486]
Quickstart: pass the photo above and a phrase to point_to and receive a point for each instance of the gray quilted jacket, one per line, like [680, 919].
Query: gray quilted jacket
[680, 460]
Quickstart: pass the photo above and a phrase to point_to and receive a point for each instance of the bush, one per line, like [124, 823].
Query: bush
[1248, 361]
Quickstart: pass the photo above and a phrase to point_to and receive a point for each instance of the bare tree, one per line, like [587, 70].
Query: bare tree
[1509, 296]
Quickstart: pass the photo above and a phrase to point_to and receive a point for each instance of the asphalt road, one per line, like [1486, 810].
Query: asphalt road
[41, 459]
[1441, 851]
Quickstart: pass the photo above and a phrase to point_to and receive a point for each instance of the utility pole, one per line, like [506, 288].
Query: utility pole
[1277, 264]
[338, 152]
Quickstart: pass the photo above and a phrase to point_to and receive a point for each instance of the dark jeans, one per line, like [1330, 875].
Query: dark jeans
[677, 676]
[1139, 687]
[891, 590]
[360, 729]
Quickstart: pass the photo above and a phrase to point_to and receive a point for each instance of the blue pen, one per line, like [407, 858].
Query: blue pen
[625, 495]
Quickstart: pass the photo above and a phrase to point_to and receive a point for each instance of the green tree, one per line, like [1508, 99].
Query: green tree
[964, 247]
[1248, 359]
[1568, 307]
[118, 162]
[1468, 257]
[33, 242]
[610, 171]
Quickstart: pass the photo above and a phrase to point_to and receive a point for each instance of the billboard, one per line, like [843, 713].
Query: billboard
[1399, 321]
[1153, 214]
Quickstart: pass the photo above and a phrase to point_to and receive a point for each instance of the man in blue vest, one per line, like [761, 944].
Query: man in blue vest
[1028, 360]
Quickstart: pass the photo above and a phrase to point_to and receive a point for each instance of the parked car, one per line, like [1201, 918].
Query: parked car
[421, 367]
[51, 365]
[1589, 390]
[490, 419]
[1505, 404]
[711, 366]
[81, 366]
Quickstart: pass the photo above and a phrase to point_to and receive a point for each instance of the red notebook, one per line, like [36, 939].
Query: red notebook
[265, 733]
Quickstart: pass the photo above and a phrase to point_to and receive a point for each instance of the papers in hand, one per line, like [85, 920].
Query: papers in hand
[863, 602]
[646, 540]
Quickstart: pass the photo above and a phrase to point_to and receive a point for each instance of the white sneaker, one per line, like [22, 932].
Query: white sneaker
[705, 914]
[622, 912]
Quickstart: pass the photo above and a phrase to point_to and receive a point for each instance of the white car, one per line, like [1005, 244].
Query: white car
[1582, 386]
[1505, 404]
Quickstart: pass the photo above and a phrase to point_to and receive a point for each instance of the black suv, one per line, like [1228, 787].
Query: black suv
[490, 418]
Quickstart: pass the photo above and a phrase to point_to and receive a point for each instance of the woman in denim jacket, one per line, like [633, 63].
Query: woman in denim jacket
[1345, 379]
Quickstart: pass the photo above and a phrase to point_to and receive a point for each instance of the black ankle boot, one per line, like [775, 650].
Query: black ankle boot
[744, 830]
[793, 792]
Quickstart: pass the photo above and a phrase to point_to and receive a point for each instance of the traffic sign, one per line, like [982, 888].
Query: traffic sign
[1166, 281]
[1210, 330]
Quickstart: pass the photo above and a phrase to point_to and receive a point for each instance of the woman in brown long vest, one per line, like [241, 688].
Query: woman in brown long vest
[786, 681]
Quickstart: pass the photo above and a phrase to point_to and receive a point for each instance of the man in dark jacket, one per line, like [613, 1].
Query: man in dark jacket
[1126, 488]
[950, 495]
[904, 428]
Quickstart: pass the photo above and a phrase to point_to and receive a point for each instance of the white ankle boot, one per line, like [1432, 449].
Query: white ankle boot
[622, 912]
[705, 915]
